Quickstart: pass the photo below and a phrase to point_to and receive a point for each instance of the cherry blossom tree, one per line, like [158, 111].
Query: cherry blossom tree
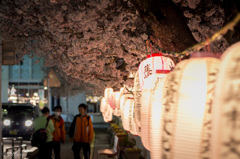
[94, 44]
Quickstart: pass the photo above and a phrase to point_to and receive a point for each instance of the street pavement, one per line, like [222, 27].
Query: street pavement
[101, 141]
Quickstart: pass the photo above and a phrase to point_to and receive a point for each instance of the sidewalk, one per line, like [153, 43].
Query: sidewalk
[100, 142]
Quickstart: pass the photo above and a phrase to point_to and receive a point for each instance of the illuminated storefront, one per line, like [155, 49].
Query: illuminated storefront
[25, 82]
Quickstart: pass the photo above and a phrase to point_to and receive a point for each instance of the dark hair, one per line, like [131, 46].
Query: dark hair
[84, 106]
[58, 107]
[45, 110]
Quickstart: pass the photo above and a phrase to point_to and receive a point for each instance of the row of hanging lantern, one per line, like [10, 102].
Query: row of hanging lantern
[191, 112]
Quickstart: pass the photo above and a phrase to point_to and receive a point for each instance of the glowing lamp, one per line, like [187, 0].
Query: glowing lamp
[145, 103]
[123, 100]
[156, 115]
[103, 105]
[130, 118]
[226, 110]
[133, 127]
[107, 94]
[126, 113]
[117, 100]
[155, 63]
[117, 111]
[187, 102]
[118, 96]
[137, 99]
[112, 100]
[107, 116]
[145, 109]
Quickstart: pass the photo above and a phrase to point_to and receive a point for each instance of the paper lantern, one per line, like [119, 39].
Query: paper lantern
[130, 120]
[123, 100]
[125, 114]
[226, 108]
[103, 105]
[187, 108]
[145, 109]
[117, 111]
[126, 111]
[145, 104]
[133, 127]
[107, 94]
[156, 114]
[107, 116]
[112, 100]
[137, 99]
[155, 63]
[117, 99]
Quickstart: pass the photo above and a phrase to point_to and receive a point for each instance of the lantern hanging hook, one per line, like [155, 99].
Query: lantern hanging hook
[151, 49]
[147, 43]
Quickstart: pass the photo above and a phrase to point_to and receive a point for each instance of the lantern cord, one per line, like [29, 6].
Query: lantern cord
[218, 35]
[129, 91]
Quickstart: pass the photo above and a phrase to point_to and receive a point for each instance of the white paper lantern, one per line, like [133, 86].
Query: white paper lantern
[123, 100]
[225, 143]
[133, 127]
[117, 111]
[145, 109]
[112, 100]
[137, 99]
[107, 94]
[138, 130]
[117, 100]
[145, 104]
[187, 108]
[103, 105]
[156, 114]
[130, 120]
[107, 116]
[155, 63]
[126, 113]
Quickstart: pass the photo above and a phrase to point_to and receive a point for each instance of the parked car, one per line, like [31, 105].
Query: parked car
[19, 120]
[5, 107]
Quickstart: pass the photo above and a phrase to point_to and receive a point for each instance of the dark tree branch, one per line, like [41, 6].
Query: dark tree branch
[167, 23]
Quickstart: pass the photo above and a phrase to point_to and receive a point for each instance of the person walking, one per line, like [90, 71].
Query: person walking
[42, 122]
[59, 133]
[81, 133]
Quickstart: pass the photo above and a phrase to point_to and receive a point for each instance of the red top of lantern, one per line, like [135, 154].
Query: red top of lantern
[154, 54]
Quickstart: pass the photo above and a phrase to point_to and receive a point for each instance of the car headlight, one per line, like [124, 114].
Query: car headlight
[6, 122]
[28, 123]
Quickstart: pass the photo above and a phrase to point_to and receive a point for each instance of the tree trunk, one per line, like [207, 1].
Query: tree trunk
[168, 28]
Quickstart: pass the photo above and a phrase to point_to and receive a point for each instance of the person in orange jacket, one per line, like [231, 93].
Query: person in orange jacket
[59, 133]
[81, 133]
